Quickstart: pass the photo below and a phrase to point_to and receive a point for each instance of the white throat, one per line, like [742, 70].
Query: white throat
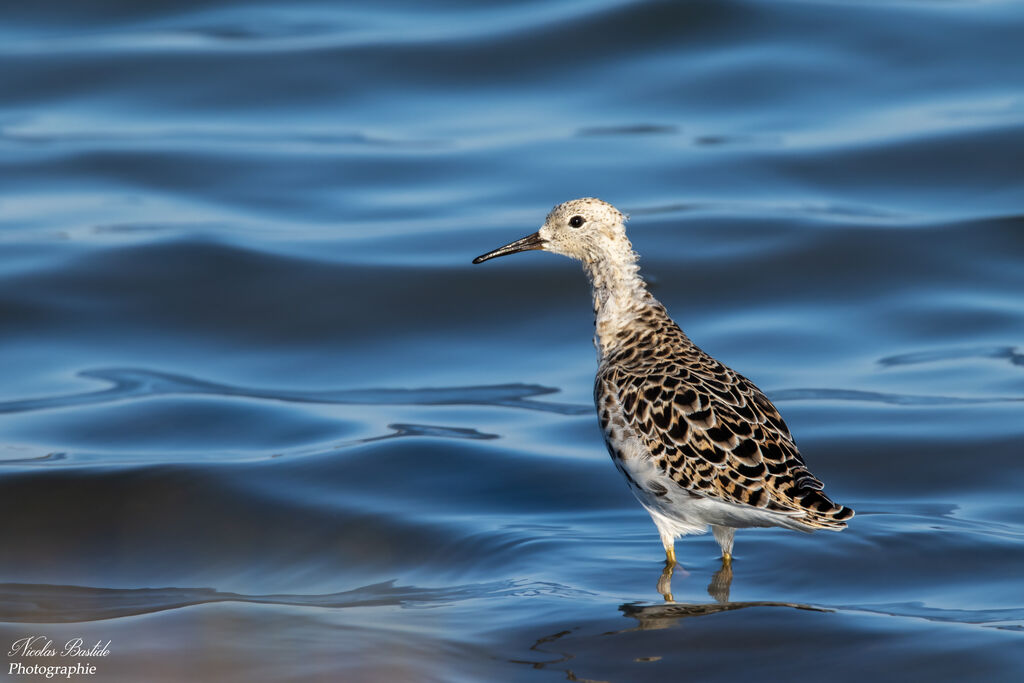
[620, 294]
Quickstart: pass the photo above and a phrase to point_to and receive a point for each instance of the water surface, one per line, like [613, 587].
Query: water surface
[261, 420]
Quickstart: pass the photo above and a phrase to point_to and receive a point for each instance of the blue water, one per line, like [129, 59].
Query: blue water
[261, 420]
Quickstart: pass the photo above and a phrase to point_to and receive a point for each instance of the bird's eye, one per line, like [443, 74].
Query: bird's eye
[576, 221]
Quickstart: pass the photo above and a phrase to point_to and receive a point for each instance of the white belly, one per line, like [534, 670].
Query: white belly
[678, 511]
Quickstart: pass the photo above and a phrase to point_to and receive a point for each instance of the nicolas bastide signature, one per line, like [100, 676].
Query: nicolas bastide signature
[41, 646]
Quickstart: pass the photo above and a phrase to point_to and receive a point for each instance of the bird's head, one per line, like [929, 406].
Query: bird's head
[587, 230]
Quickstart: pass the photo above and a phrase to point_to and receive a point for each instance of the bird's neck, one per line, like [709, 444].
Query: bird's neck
[620, 296]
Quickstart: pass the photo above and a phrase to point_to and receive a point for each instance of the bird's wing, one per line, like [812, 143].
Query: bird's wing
[713, 432]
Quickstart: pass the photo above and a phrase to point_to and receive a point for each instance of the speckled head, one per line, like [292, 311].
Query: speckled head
[587, 229]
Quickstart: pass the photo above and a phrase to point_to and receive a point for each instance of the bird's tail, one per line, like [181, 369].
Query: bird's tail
[821, 513]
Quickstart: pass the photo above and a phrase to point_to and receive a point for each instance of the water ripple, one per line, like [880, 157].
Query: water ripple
[1009, 353]
[815, 394]
[824, 210]
[628, 129]
[45, 603]
[140, 383]
[1009, 619]
[251, 226]
[135, 383]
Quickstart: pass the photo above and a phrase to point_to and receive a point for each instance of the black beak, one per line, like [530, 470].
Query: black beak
[534, 241]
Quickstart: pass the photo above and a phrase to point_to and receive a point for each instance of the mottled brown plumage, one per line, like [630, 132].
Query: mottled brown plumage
[698, 443]
[706, 427]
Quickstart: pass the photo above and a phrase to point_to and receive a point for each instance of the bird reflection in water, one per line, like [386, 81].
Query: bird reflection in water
[577, 644]
[718, 589]
[663, 616]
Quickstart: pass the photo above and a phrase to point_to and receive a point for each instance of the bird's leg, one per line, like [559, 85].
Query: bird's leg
[724, 535]
[668, 540]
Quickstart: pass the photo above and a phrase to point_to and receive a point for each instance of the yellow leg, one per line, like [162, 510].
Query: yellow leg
[670, 555]
[727, 559]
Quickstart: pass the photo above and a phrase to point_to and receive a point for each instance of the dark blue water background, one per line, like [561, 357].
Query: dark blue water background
[261, 420]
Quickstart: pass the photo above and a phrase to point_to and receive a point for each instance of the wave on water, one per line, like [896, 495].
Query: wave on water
[42, 603]
[133, 383]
